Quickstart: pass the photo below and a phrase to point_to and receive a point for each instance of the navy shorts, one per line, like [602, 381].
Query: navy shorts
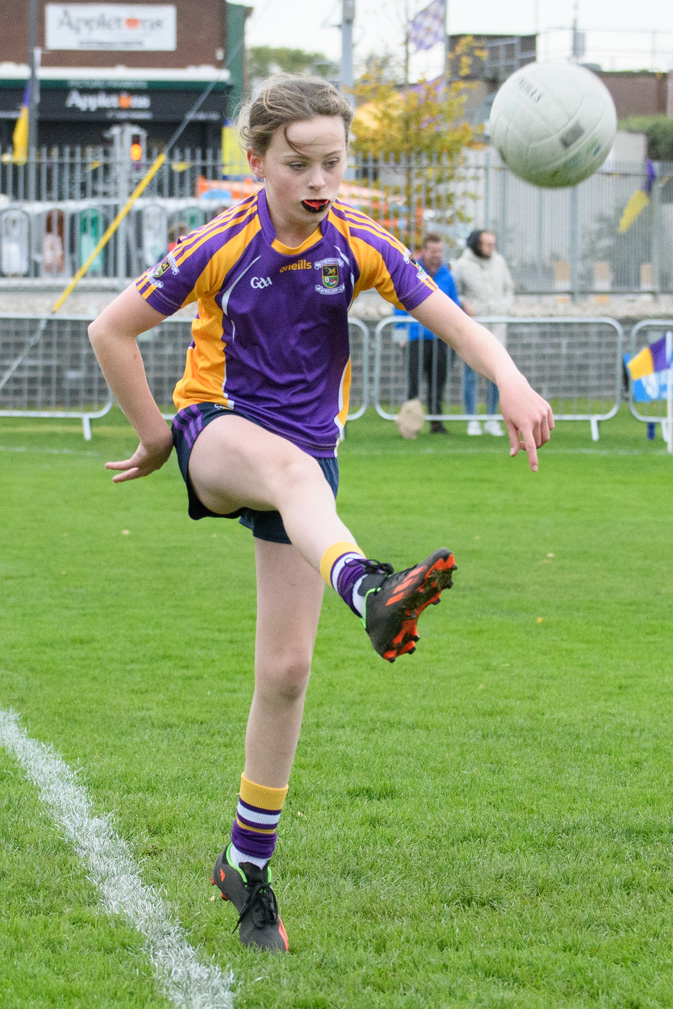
[265, 525]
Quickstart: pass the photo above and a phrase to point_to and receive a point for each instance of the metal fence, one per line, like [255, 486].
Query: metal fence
[576, 364]
[567, 241]
[564, 241]
[48, 369]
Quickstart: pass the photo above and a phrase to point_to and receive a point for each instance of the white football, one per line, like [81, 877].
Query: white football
[553, 124]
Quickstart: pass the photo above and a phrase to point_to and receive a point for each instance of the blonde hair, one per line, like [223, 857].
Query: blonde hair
[287, 99]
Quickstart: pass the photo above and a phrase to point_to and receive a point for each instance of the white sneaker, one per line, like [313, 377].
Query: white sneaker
[473, 427]
[494, 427]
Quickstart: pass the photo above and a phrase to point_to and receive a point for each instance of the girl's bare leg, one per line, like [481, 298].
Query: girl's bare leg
[289, 597]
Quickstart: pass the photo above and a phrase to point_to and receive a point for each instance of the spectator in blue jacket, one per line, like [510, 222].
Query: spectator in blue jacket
[424, 351]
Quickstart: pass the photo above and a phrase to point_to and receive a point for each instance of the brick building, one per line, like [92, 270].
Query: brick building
[639, 92]
[106, 63]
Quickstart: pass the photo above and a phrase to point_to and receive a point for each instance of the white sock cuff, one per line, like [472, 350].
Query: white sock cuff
[236, 856]
[339, 566]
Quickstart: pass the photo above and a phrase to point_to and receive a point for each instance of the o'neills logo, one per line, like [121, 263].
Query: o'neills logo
[300, 264]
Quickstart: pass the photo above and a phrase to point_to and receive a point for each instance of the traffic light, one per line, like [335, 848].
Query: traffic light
[130, 143]
[136, 147]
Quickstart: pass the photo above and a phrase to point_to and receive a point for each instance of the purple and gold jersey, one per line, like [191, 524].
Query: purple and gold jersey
[271, 335]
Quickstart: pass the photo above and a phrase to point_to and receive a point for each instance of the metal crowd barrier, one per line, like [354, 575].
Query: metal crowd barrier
[48, 369]
[647, 397]
[360, 368]
[51, 239]
[574, 363]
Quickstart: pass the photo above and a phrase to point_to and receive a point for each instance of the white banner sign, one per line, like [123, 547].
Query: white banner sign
[127, 27]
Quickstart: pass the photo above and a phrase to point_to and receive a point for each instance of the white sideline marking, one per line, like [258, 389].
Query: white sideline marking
[451, 450]
[46, 451]
[188, 983]
[400, 450]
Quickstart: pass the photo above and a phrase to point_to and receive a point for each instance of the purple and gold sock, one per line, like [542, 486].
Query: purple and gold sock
[342, 567]
[253, 834]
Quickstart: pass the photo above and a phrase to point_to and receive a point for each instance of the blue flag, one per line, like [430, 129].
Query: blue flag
[428, 28]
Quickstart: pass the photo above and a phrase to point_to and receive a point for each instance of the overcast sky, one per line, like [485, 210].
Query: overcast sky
[646, 40]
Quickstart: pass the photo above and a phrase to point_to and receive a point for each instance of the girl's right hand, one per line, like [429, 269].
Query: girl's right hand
[143, 461]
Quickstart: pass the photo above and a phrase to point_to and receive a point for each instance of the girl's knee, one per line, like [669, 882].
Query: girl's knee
[285, 678]
[297, 472]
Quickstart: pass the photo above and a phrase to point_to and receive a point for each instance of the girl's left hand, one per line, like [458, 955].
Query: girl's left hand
[145, 460]
[528, 417]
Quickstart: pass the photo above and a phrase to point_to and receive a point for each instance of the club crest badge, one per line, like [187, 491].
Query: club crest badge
[160, 269]
[330, 276]
[168, 263]
[410, 259]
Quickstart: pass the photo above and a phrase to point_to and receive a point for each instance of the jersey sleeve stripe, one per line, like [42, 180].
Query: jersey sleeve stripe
[228, 230]
[239, 234]
[358, 220]
[356, 217]
[143, 285]
[370, 225]
[381, 235]
[229, 216]
[230, 252]
[220, 224]
[354, 213]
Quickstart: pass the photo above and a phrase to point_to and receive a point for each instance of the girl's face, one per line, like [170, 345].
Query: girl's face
[302, 176]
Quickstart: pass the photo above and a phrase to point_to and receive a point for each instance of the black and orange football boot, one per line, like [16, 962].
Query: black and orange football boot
[249, 889]
[395, 600]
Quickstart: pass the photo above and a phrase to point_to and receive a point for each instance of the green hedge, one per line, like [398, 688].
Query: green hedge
[659, 131]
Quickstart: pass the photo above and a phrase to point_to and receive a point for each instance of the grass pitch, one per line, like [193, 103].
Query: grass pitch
[486, 823]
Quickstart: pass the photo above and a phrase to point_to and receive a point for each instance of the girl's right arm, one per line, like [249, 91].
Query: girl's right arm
[113, 337]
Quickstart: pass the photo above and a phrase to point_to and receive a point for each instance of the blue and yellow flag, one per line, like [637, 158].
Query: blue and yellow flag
[639, 200]
[656, 357]
[20, 134]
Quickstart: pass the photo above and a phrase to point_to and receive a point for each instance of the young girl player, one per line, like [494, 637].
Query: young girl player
[261, 407]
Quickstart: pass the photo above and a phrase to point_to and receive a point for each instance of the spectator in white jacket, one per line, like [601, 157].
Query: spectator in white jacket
[486, 288]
